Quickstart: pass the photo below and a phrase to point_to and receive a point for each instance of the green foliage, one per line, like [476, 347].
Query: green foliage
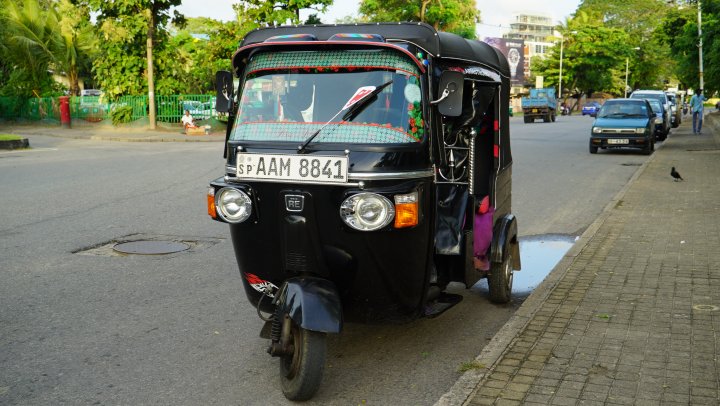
[680, 34]
[651, 65]
[124, 27]
[121, 114]
[39, 37]
[27, 32]
[593, 59]
[262, 12]
[456, 16]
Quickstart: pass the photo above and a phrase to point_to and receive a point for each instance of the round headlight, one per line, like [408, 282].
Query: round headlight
[233, 205]
[367, 211]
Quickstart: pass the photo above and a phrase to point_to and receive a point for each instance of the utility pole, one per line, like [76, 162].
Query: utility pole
[700, 44]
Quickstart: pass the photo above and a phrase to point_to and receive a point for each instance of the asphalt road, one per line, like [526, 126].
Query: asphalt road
[79, 325]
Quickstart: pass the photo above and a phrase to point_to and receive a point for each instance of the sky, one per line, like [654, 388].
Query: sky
[496, 14]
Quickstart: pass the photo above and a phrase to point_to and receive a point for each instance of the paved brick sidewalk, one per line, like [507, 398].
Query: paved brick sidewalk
[631, 316]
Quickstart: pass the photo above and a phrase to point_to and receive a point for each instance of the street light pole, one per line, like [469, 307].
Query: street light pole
[627, 67]
[627, 70]
[562, 39]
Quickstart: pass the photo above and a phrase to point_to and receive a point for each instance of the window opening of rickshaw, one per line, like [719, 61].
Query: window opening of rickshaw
[391, 112]
[352, 108]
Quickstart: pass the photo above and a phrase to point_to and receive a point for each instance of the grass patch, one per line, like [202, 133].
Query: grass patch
[466, 366]
[9, 137]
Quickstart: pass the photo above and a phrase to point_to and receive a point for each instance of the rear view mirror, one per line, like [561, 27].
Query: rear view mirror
[224, 86]
[450, 93]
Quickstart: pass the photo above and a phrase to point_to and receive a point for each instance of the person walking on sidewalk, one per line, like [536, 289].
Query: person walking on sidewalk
[696, 106]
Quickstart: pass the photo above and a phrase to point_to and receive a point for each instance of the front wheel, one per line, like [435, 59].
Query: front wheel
[301, 372]
[500, 279]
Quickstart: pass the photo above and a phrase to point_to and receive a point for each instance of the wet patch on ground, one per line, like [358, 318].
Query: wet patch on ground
[538, 255]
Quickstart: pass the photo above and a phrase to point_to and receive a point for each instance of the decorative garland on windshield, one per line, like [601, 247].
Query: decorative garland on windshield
[417, 124]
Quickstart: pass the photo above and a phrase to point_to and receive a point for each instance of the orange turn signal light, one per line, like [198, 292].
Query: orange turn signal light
[211, 202]
[406, 210]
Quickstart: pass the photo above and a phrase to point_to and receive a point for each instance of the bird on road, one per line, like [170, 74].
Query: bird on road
[675, 174]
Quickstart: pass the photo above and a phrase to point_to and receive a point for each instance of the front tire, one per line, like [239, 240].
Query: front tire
[301, 372]
[593, 149]
[500, 279]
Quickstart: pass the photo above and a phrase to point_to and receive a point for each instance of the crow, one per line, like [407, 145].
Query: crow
[675, 174]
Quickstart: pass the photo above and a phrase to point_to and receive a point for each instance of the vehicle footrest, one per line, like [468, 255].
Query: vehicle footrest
[442, 303]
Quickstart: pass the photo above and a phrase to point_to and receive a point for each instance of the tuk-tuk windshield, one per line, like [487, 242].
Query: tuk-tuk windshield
[288, 96]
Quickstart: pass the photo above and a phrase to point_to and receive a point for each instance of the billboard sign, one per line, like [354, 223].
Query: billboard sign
[514, 51]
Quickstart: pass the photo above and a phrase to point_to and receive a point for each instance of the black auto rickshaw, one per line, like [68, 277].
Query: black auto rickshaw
[368, 166]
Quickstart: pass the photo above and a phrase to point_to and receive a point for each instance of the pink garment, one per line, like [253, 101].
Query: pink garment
[482, 236]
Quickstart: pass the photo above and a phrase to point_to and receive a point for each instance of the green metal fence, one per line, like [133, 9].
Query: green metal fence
[96, 108]
[171, 108]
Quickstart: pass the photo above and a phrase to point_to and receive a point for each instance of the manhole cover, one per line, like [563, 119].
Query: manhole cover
[150, 247]
[707, 308]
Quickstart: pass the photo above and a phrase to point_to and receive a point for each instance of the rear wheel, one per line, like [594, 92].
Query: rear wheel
[527, 119]
[500, 279]
[301, 372]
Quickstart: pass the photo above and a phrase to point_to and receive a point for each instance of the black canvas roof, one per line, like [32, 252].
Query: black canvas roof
[438, 44]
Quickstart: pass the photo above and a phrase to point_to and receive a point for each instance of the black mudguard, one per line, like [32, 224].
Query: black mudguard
[312, 303]
[505, 238]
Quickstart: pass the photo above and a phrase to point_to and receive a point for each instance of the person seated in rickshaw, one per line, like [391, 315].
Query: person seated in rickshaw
[187, 120]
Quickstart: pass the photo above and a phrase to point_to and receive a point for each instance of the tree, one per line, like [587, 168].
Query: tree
[40, 39]
[131, 31]
[76, 43]
[680, 34]
[593, 56]
[26, 48]
[268, 13]
[456, 16]
[652, 64]
[203, 47]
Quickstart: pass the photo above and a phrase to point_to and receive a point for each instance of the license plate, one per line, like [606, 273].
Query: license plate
[292, 168]
[618, 141]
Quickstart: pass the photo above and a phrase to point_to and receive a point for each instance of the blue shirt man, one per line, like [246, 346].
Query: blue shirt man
[696, 106]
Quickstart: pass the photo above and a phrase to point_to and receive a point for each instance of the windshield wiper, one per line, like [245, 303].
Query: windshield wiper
[353, 109]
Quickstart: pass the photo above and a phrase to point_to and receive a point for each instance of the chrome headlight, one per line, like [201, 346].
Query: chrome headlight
[367, 211]
[640, 130]
[233, 205]
[597, 130]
